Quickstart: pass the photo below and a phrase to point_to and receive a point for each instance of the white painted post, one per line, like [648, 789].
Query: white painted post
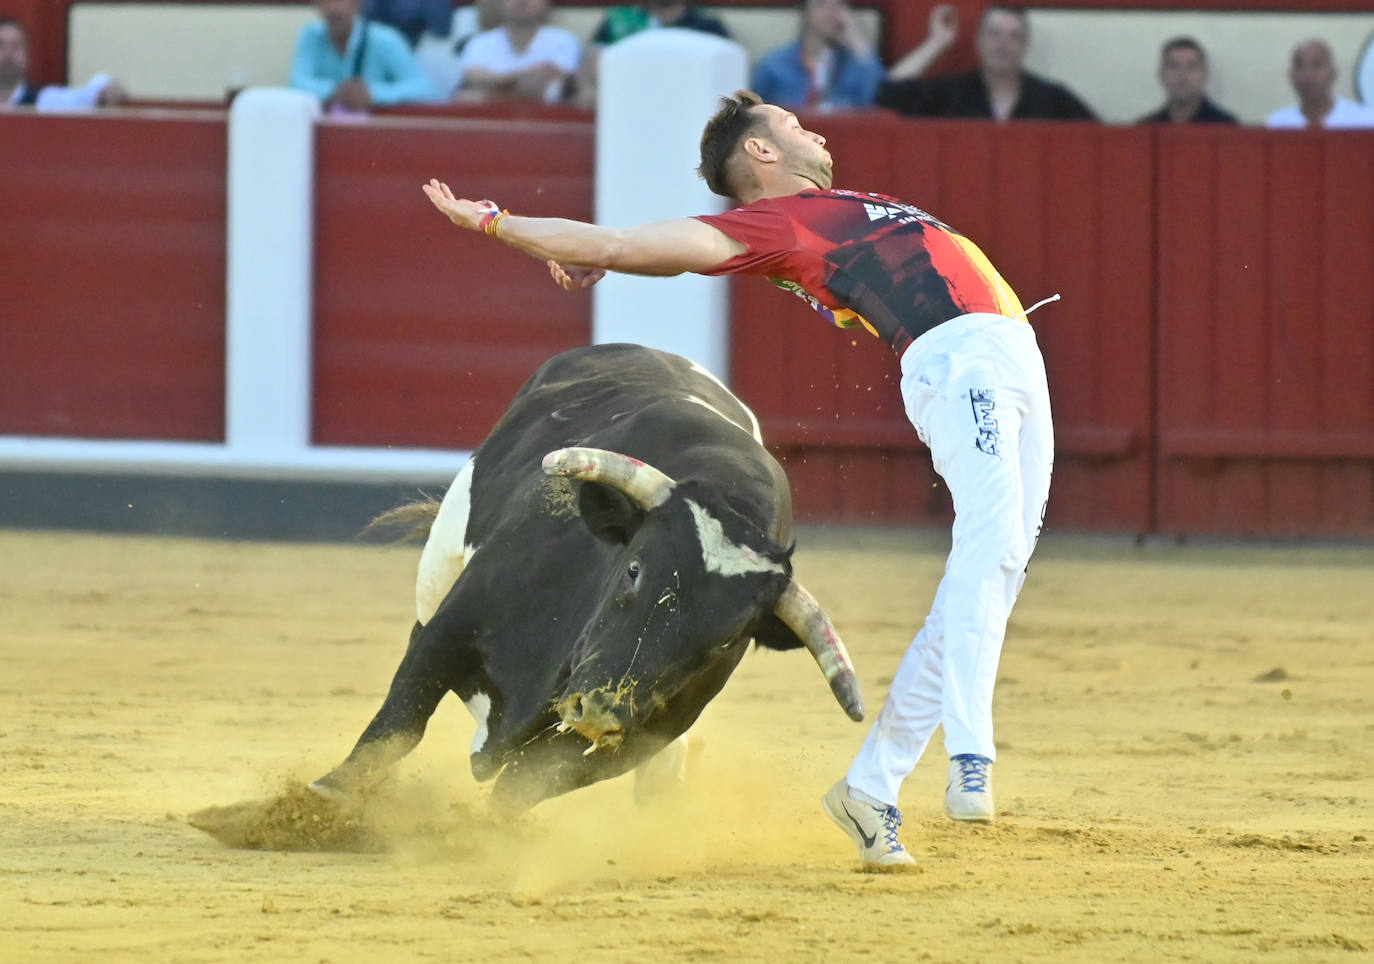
[270, 271]
[656, 91]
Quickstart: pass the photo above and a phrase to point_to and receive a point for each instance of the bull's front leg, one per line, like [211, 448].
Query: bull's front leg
[421, 681]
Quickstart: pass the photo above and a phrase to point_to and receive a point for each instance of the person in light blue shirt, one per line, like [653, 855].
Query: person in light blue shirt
[831, 66]
[351, 64]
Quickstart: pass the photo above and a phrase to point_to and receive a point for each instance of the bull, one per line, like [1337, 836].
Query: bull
[594, 575]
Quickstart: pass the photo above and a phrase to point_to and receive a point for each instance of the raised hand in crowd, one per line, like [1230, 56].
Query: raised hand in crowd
[942, 31]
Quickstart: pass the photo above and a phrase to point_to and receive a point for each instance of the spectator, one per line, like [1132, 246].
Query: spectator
[351, 63]
[440, 56]
[523, 59]
[622, 22]
[1183, 74]
[830, 65]
[1001, 88]
[102, 90]
[1313, 74]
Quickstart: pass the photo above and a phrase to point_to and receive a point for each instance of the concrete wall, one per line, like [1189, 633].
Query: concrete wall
[1111, 58]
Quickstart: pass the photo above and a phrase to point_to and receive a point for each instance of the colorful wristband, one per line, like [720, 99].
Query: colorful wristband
[487, 223]
[492, 224]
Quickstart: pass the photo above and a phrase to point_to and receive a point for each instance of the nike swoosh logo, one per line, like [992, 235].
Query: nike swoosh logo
[867, 838]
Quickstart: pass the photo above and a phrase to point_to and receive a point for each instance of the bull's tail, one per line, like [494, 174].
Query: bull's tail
[413, 519]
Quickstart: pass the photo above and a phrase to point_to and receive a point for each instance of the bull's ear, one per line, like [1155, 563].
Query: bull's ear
[773, 633]
[608, 513]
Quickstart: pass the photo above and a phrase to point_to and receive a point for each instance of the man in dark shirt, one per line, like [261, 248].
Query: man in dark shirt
[621, 22]
[973, 383]
[1000, 89]
[1183, 74]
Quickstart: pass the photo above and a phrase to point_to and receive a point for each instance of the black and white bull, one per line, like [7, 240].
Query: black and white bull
[594, 575]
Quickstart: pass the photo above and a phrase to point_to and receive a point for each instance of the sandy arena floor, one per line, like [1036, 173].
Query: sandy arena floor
[1186, 772]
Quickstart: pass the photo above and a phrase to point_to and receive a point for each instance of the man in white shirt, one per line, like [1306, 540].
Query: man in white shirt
[15, 91]
[1313, 74]
[523, 59]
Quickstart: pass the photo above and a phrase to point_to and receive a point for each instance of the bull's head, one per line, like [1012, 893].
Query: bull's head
[695, 582]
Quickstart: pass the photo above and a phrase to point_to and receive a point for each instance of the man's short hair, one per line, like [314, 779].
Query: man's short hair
[1015, 9]
[11, 22]
[1181, 43]
[721, 138]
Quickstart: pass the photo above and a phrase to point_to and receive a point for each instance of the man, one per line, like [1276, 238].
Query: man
[1183, 74]
[830, 66]
[1312, 73]
[1001, 88]
[622, 22]
[972, 379]
[350, 63]
[102, 90]
[523, 59]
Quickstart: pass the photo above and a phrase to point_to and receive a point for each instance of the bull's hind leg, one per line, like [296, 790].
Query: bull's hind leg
[419, 684]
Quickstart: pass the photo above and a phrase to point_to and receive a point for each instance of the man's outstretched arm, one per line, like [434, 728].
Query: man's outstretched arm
[661, 248]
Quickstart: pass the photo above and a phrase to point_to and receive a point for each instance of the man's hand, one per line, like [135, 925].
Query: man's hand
[351, 94]
[112, 94]
[462, 212]
[944, 24]
[849, 34]
[532, 82]
[574, 277]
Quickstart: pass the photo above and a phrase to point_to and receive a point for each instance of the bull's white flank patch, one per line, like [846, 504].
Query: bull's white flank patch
[723, 556]
[444, 555]
[479, 705]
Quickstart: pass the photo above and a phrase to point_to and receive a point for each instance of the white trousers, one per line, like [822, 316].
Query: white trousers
[975, 389]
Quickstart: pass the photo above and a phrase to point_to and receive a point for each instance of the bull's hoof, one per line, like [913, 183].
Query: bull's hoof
[330, 791]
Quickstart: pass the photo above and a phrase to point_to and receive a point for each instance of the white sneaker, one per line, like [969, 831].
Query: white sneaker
[968, 796]
[873, 829]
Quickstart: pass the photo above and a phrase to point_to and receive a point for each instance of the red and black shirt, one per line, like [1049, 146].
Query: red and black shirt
[865, 260]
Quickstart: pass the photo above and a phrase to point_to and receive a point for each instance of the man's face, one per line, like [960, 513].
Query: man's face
[526, 13]
[338, 14]
[826, 18]
[1183, 72]
[803, 151]
[1001, 41]
[14, 55]
[667, 11]
[1312, 73]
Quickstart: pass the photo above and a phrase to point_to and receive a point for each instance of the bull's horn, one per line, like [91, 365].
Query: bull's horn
[644, 484]
[803, 615]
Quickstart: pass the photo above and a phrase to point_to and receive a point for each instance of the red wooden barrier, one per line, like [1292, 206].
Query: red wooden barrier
[829, 398]
[1266, 355]
[424, 332]
[112, 276]
[1215, 282]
